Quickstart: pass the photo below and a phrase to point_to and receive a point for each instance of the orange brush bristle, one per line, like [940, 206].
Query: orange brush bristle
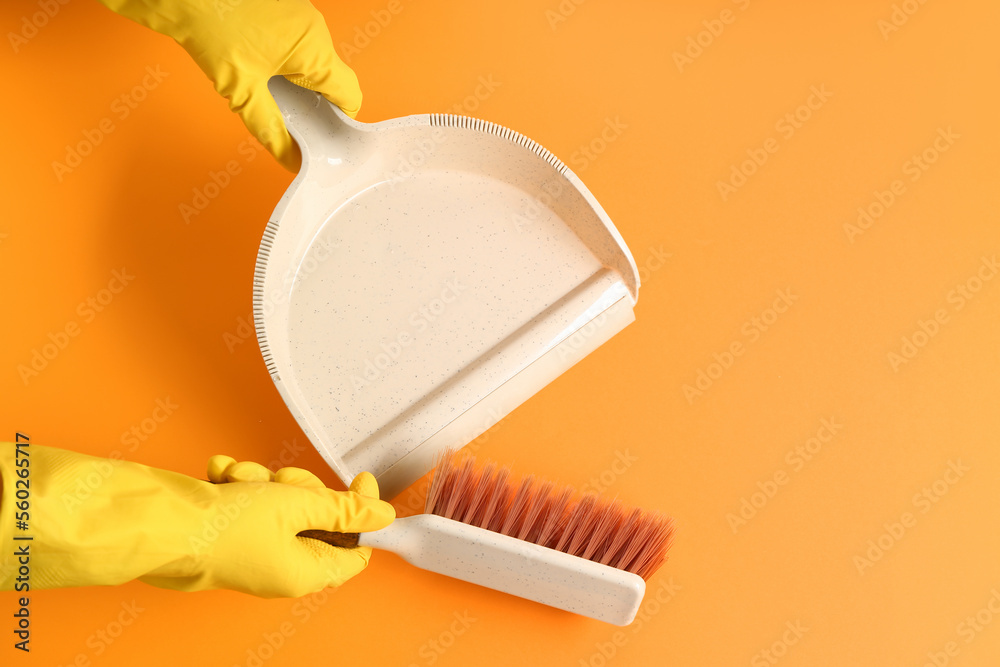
[601, 530]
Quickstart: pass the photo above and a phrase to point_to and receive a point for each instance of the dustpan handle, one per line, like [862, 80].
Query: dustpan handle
[310, 117]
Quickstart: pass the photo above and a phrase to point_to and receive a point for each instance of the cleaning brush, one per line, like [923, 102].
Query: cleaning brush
[526, 537]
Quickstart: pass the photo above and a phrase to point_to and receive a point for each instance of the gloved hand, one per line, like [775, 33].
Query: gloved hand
[223, 469]
[105, 522]
[241, 44]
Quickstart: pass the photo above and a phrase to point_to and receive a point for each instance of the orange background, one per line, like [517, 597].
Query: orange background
[725, 595]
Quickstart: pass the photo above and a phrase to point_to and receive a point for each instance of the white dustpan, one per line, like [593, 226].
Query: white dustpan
[421, 278]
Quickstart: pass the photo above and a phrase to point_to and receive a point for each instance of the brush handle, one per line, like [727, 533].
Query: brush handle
[506, 564]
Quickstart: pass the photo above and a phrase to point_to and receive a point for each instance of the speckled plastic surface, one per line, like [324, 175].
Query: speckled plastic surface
[421, 278]
[513, 566]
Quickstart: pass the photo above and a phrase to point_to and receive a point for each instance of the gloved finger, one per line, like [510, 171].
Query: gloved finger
[223, 469]
[298, 477]
[247, 471]
[217, 466]
[339, 85]
[365, 484]
[335, 565]
[314, 64]
[260, 113]
[343, 511]
[346, 563]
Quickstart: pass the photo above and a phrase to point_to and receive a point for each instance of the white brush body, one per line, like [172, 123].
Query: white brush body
[513, 566]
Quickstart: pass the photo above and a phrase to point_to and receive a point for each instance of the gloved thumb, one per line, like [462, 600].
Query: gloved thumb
[364, 483]
[260, 113]
[314, 64]
[339, 564]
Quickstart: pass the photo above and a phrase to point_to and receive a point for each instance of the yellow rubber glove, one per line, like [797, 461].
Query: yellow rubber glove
[101, 521]
[240, 44]
[224, 469]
